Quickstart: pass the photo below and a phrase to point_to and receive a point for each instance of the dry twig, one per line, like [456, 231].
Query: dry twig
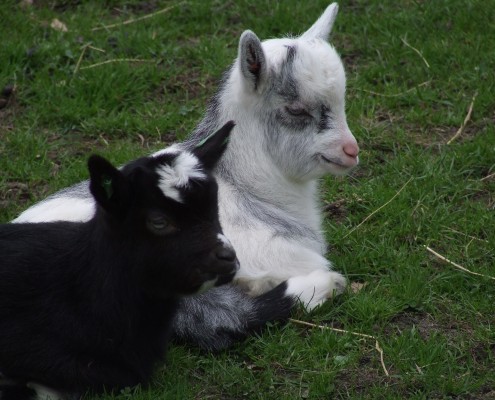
[466, 120]
[96, 48]
[395, 94]
[378, 209]
[487, 177]
[465, 234]
[132, 20]
[416, 50]
[456, 265]
[134, 60]
[78, 64]
[363, 335]
[103, 140]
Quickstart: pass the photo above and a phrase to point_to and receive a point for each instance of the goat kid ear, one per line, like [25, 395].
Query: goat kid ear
[323, 26]
[210, 150]
[252, 60]
[107, 185]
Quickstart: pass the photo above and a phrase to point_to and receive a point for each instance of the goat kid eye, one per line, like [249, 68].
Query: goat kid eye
[160, 226]
[297, 111]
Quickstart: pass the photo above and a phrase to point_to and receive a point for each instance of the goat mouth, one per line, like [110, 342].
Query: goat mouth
[332, 161]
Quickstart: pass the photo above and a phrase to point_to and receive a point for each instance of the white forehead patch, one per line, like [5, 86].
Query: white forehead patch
[172, 177]
[173, 149]
[224, 240]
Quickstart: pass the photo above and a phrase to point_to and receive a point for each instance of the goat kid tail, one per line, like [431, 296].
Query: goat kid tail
[223, 316]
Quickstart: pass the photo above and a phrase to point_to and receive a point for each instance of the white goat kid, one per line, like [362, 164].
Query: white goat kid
[287, 99]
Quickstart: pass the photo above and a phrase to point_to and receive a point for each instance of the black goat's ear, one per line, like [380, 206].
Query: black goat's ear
[107, 185]
[252, 60]
[210, 149]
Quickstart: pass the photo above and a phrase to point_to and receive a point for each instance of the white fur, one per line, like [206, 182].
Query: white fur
[223, 239]
[59, 209]
[311, 289]
[173, 149]
[277, 172]
[177, 175]
[284, 174]
[46, 393]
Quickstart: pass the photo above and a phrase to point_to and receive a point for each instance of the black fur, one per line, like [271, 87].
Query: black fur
[223, 316]
[16, 392]
[89, 306]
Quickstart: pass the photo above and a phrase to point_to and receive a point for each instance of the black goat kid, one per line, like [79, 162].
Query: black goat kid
[89, 306]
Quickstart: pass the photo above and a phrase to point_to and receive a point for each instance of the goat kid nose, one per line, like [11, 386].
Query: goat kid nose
[226, 254]
[351, 149]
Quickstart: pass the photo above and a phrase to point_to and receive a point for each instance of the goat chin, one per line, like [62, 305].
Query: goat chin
[287, 97]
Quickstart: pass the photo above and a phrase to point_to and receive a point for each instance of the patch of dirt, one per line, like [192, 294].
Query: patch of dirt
[351, 57]
[9, 108]
[427, 326]
[481, 351]
[359, 380]
[20, 194]
[56, 5]
[443, 134]
[336, 210]
[137, 9]
[14, 191]
[489, 394]
[485, 197]
[425, 134]
[191, 81]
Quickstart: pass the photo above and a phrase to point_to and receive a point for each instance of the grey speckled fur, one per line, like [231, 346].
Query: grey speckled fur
[267, 182]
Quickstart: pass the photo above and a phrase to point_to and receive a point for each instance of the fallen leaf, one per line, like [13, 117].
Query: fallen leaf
[58, 25]
[26, 3]
[356, 287]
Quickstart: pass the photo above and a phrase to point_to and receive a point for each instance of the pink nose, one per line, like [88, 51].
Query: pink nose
[351, 149]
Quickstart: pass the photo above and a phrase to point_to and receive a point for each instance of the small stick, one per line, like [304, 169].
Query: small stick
[132, 20]
[378, 209]
[416, 50]
[466, 120]
[465, 234]
[377, 345]
[117, 60]
[487, 177]
[395, 94]
[96, 48]
[84, 48]
[103, 139]
[456, 265]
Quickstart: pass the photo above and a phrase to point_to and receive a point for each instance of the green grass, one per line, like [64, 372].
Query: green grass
[434, 322]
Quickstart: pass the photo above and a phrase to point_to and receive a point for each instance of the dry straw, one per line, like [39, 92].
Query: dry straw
[487, 177]
[466, 120]
[438, 255]
[117, 60]
[363, 335]
[133, 20]
[395, 94]
[378, 209]
[417, 51]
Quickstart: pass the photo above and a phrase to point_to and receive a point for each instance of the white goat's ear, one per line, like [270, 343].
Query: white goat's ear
[323, 26]
[252, 59]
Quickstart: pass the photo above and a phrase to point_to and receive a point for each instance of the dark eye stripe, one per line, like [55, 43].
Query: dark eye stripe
[325, 118]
